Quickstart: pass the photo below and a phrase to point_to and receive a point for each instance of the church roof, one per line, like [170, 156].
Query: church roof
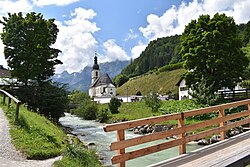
[103, 80]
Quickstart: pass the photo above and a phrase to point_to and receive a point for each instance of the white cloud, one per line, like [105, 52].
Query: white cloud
[2, 59]
[75, 40]
[131, 35]
[159, 26]
[241, 11]
[42, 3]
[113, 52]
[137, 50]
[173, 21]
[10, 6]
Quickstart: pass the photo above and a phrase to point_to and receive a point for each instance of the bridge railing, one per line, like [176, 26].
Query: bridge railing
[181, 131]
[15, 100]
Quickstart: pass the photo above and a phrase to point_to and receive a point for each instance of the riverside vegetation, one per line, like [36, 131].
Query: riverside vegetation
[38, 138]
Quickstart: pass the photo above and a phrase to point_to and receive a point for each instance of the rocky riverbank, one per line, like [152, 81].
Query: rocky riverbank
[147, 129]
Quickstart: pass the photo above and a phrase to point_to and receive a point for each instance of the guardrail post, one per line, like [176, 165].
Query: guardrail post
[222, 133]
[182, 148]
[120, 137]
[9, 101]
[17, 112]
[4, 98]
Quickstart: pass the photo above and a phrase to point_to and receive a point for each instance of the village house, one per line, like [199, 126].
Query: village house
[184, 91]
[101, 86]
[4, 76]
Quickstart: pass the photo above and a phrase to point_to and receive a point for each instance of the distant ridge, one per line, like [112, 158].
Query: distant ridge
[82, 80]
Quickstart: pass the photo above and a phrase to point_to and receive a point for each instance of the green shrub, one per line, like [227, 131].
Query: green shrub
[86, 108]
[91, 111]
[120, 79]
[171, 67]
[152, 101]
[203, 93]
[103, 115]
[114, 104]
[78, 156]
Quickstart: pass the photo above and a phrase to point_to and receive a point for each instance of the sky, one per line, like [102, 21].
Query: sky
[117, 29]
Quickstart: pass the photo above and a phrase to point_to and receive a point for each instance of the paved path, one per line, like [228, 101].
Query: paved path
[9, 157]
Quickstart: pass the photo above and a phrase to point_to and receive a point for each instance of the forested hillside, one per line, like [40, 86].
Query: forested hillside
[157, 54]
[163, 51]
[244, 33]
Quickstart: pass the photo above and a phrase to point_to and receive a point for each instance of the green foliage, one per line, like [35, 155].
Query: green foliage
[171, 67]
[35, 135]
[245, 84]
[246, 50]
[210, 46]
[157, 54]
[137, 110]
[114, 104]
[86, 110]
[244, 32]
[78, 97]
[120, 79]
[27, 46]
[78, 156]
[103, 115]
[152, 101]
[203, 95]
[90, 111]
[175, 106]
[85, 107]
[235, 109]
[130, 111]
[49, 99]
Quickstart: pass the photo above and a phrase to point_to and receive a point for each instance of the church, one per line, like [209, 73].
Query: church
[101, 86]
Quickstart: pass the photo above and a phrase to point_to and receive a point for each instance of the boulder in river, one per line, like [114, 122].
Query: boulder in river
[203, 142]
[214, 139]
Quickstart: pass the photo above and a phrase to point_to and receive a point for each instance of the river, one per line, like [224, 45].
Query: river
[92, 132]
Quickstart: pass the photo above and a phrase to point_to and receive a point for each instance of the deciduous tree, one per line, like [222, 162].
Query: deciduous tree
[211, 50]
[28, 47]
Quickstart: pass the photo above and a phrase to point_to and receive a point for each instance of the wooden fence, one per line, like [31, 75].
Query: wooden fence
[10, 97]
[235, 95]
[181, 130]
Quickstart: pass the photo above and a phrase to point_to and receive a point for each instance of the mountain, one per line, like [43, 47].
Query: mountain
[82, 80]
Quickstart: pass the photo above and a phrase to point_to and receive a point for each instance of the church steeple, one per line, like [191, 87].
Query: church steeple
[95, 70]
[95, 66]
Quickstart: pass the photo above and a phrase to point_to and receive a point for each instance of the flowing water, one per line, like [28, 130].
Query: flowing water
[92, 132]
